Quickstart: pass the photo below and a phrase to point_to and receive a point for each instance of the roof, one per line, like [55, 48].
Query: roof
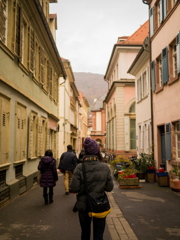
[52, 15]
[99, 103]
[138, 37]
[64, 60]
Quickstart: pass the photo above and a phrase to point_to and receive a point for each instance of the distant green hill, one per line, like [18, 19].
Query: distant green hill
[91, 85]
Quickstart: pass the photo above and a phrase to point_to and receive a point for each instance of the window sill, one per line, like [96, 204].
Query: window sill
[159, 89]
[6, 49]
[25, 70]
[20, 162]
[172, 80]
[36, 81]
[4, 166]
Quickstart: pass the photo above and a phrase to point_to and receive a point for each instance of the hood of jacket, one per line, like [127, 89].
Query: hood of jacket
[46, 160]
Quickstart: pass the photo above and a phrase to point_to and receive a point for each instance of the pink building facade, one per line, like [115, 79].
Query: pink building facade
[165, 80]
[120, 99]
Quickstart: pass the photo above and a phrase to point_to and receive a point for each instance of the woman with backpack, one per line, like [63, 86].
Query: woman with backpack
[98, 180]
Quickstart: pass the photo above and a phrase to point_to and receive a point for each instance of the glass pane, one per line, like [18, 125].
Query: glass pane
[132, 123]
[178, 154]
[178, 137]
[132, 108]
[132, 134]
[178, 146]
[133, 144]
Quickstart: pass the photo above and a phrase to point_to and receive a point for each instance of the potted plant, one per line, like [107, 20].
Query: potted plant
[125, 169]
[146, 167]
[175, 179]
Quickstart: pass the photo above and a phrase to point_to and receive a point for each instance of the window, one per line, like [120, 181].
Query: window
[177, 132]
[41, 59]
[174, 59]
[159, 62]
[153, 77]
[44, 136]
[20, 135]
[32, 50]
[139, 89]
[145, 83]
[113, 134]
[133, 134]
[33, 135]
[165, 69]
[4, 129]
[4, 21]
[17, 30]
[158, 15]
[178, 52]
[132, 108]
[173, 2]
[151, 14]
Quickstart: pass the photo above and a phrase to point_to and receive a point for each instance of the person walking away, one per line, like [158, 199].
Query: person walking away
[99, 180]
[81, 155]
[67, 164]
[49, 176]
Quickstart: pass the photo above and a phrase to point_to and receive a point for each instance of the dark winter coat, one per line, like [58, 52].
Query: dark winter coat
[68, 161]
[47, 166]
[99, 180]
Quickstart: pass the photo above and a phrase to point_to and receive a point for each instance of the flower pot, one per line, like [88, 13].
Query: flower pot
[175, 185]
[163, 179]
[141, 175]
[150, 176]
[129, 182]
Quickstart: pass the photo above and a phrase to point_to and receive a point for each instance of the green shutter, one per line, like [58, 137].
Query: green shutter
[151, 16]
[165, 72]
[153, 78]
[168, 141]
[178, 52]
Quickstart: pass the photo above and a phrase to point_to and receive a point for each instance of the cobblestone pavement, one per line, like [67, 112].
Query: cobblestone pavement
[118, 227]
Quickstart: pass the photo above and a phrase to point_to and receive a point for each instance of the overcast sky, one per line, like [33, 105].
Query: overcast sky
[88, 29]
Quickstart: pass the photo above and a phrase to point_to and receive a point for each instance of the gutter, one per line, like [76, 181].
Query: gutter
[148, 2]
[46, 25]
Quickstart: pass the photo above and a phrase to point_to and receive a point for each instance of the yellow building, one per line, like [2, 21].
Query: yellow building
[30, 68]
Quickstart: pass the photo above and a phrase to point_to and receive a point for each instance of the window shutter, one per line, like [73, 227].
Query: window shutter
[142, 139]
[165, 72]
[4, 131]
[142, 87]
[126, 128]
[147, 80]
[23, 133]
[153, 78]
[30, 145]
[48, 132]
[168, 141]
[151, 21]
[161, 10]
[42, 65]
[32, 50]
[17, 30]
[178, 52]
[136, 90]
[55, 145]
[148, 144]
[165, 8]
[39, 137]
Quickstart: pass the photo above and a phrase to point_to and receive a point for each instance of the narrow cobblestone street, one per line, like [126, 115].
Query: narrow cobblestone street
[137, 214]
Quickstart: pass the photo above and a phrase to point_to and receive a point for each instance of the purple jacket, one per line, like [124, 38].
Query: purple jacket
[47, 166]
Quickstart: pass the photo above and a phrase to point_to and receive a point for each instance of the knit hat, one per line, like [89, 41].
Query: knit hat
[91, 146]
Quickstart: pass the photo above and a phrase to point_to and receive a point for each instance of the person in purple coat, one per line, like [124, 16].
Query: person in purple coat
[47, 166]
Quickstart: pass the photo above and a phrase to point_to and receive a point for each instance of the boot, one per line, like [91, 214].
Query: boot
[50, 198]
[46, 200]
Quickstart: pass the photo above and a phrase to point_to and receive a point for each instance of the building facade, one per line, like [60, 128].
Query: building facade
[98, 121]
[30, 67]
[165, 80]
[140, 68]
[84, 126]
[69, 108]
[120, 99]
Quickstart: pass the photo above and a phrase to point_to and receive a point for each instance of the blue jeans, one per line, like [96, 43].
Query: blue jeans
[98, 226]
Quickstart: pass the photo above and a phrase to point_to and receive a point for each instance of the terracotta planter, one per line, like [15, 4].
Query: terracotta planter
[175, 185]
[129, 182]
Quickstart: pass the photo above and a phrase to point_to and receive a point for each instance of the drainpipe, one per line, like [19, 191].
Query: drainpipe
[150, 58]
